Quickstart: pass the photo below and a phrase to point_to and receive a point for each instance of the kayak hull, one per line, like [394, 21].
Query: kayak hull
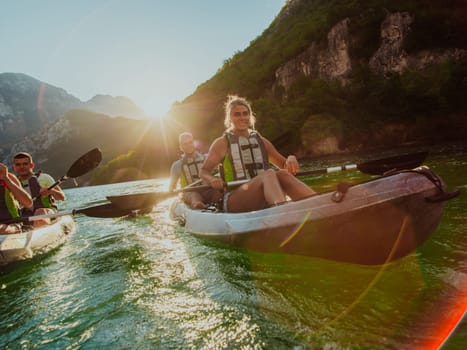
[28, 244]
[376, 222]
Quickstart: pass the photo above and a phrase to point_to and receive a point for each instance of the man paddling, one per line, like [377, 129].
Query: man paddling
[12, 195]
[187, 169]
[37, 184]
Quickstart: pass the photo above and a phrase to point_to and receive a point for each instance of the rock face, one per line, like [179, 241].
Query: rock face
[391, 56]
[331, 62]
[334, 62]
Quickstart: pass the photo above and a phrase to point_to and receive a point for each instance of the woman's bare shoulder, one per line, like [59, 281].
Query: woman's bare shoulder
[219, 142]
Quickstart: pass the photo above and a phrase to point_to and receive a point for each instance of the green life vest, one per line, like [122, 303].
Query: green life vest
[246, 157]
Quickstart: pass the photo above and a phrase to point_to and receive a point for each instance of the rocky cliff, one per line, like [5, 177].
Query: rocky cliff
[330, 62]
[334, 62]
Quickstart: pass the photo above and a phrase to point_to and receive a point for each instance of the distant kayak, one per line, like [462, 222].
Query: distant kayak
[369, 223]
[28, 244]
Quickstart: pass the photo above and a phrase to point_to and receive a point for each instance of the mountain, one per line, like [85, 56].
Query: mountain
[115, 106]
[27, 105]
[334, 76]
[56, 147]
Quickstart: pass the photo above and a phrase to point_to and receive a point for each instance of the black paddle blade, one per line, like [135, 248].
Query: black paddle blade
[139, 200]
[402, 162]
[103, 211]
[85, 163]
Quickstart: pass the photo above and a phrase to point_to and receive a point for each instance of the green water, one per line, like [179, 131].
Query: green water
[144, 284]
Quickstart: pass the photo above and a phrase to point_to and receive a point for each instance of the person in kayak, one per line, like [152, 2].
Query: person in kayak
[36, 184]
[187, 169]
[12, 195]
[243, 154]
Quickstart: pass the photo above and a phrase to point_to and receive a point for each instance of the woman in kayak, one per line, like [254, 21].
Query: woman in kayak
[243, 154]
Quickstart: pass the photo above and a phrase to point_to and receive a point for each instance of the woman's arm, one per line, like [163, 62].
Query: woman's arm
[290, 163]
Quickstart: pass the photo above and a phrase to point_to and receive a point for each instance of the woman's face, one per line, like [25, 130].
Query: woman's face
[240, 117]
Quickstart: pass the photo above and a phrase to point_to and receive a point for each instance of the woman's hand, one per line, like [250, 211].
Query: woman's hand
[217, 183]
[291, 164]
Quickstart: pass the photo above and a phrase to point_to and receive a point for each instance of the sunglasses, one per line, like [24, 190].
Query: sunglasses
[239, 114]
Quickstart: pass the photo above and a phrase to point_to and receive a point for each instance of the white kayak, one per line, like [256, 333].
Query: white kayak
[28, 244]
[369, 223]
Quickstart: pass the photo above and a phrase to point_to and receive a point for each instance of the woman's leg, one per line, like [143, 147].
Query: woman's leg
[293, 187]
[262, 191]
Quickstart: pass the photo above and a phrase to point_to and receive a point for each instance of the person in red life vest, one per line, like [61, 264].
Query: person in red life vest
[186, 169]
[12, 196]
[243, 154]
[37, 184]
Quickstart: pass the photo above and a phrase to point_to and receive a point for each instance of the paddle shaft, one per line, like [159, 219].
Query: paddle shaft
[58, 182]
[204, 187]
[40, 217]
[107, 210]
[327, 170]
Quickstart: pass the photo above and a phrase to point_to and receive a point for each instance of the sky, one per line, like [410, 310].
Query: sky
[155, 52]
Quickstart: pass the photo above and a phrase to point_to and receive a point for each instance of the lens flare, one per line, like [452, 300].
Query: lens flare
[296, 230]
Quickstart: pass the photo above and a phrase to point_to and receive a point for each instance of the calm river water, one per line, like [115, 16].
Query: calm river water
[142, 283]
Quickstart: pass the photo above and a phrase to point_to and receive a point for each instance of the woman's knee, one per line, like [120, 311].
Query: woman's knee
[268, 174]
[284, 175]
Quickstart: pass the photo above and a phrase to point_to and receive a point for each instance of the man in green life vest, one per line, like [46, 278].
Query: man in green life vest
[186, 169]
[37, 184]
[12, 195]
